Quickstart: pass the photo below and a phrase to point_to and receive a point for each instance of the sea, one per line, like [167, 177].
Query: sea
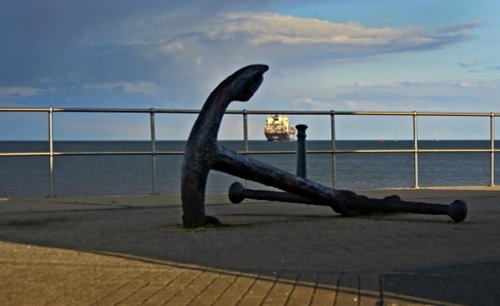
[132, 175]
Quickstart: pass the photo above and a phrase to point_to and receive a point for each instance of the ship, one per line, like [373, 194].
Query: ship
[278, 129]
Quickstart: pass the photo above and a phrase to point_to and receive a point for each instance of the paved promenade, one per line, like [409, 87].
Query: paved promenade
[133, 250]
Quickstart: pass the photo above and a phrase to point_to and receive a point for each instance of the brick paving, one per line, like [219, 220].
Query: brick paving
[133, 251]
[130, 283]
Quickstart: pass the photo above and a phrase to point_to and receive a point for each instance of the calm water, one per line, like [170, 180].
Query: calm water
[121, 175]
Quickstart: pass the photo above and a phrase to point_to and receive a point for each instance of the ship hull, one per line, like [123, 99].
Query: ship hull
[279, 137]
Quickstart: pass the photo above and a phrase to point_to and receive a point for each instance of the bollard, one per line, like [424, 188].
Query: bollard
[301, 150]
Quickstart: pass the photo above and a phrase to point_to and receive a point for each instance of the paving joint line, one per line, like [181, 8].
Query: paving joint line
[183, 288]
[226, 289]
[163, 287]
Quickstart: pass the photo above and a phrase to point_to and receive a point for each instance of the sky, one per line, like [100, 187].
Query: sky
[344, 55]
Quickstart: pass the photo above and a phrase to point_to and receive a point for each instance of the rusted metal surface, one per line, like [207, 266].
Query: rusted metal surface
[358, 204]
[203, 154]
[202, 149]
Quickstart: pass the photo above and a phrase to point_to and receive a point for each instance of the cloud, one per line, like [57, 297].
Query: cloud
[268, 28]
[484, 84]
[309, 103]
[22, 91]
[173, 47]
[466, 64]
[127, 87]
[281, 36]
[463, 83]
[388, 84]
[460, 27]
[363, 105]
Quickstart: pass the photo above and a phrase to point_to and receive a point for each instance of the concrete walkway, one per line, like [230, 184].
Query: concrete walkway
[133, 250]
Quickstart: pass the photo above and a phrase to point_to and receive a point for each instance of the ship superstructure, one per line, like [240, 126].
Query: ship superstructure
[278, 129]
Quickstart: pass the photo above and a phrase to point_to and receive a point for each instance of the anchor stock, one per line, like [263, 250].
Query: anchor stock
[358, 205]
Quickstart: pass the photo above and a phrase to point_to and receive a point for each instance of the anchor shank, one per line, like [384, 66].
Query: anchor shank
[248, 168]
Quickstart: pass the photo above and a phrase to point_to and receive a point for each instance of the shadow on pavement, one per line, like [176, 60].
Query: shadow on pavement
[418, 259]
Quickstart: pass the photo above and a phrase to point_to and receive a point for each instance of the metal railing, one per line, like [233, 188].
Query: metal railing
[333, 151]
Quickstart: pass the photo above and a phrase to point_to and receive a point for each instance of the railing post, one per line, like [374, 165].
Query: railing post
[492, 148]
[333, 146]
[51, 152]
[154, 189]
[245, 135]
[415, 148]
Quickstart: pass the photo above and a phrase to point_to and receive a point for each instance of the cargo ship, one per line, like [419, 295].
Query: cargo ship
[278, 129]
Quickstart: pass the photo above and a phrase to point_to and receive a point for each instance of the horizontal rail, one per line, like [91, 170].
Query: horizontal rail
[249, 112]
[436, 114]
[419, 151]
[103, 153]
[143, 153]
[14, 154]
[24, 109]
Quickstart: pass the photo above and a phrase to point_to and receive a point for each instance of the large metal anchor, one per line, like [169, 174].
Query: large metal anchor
[203, 153]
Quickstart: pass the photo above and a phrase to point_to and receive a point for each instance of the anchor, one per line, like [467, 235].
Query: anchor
[203, 154]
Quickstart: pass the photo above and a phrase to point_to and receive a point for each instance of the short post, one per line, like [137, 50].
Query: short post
[301, 150]
[154, 189]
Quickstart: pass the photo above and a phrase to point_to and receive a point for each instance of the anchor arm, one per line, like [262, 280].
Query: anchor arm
[201, 147]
